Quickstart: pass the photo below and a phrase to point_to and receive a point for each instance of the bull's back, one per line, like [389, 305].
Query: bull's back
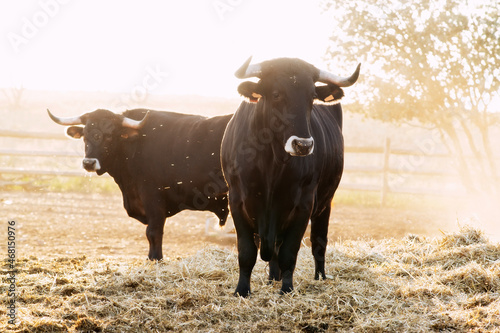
[175, 156]
[177, 145]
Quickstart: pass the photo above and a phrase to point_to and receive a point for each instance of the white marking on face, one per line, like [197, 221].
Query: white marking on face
[97, 165]
[289, 145]
[312, 149]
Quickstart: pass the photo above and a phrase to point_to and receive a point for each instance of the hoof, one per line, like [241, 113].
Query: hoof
[242, 292]
[238, 294]
[287, 290]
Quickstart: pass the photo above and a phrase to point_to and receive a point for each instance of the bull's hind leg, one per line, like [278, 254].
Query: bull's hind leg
[319, 239]
[274, 269]
[247, 254]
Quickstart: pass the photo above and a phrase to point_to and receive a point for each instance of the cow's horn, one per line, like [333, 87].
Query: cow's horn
[247, 70]
[135, 124]
[66, 121]
[327, 77]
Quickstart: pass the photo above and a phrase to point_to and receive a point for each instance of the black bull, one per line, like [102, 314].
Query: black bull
[282, 158]
[166, 163]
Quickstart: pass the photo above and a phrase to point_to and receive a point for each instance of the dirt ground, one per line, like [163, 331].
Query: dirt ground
[54, 224]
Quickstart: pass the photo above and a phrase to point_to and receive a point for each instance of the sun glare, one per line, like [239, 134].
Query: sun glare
[132, 49]
[113, 45]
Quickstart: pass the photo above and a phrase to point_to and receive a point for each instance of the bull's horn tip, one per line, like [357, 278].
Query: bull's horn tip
[355, 76]
[247, 62]
[240, 73]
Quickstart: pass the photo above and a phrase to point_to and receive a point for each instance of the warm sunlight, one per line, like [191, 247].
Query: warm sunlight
[140, 192]
[164, 47]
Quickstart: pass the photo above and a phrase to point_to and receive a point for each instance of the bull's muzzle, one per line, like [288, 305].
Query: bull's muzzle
[296, 146]
[91, 164]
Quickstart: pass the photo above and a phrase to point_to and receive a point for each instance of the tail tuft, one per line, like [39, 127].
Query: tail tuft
[266, 248]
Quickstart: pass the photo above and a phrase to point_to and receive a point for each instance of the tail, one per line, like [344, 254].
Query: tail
[267, 240]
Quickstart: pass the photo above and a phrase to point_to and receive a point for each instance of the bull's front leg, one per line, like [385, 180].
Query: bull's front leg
[154, 231]
[288, 253]
[247, 253]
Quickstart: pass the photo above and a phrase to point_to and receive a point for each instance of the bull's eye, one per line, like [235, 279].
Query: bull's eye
[276, 95]
[95, 136]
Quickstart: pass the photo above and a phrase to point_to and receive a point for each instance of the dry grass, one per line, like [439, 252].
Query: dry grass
[415, 284]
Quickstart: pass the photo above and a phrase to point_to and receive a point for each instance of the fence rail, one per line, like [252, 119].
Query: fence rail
[385, 176]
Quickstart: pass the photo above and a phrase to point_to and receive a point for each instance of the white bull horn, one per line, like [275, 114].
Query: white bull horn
[247, 70]
[327, 77]
[135, 124]
[67, 120]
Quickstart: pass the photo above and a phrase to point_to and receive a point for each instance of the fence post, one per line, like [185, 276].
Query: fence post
[385, 174]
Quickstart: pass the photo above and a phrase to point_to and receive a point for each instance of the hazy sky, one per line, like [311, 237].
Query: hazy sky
[177, 47]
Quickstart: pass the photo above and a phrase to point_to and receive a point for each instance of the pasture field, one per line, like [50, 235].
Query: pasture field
[412, 284]
[417, 264]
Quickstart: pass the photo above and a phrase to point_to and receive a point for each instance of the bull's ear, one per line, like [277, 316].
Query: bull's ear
[329, 93]
[76, 132]
[129, 133]
[250, 90]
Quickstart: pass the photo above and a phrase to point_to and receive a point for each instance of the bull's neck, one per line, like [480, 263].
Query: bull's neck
[118, 167]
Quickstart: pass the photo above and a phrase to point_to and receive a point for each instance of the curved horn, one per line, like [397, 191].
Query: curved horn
[66, 121]
[247, 70]
[135, 124]
[327, 77]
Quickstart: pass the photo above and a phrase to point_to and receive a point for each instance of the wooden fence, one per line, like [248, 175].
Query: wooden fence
[380, 169]
[405, 171]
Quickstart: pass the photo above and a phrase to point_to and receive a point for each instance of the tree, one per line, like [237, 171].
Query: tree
[435, 62]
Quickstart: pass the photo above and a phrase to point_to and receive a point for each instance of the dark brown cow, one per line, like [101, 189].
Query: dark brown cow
[282, 157]
[163, 162]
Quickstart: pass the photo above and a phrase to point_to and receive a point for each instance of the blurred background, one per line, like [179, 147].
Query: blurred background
[422, 125]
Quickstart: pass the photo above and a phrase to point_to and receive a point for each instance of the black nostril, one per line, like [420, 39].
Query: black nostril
[302, 146]
[89, 164]
[302, 143]
[297, 146]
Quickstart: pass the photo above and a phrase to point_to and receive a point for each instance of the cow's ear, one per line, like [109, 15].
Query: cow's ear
[76, 132]
[129, 133]
[250, 90]
[329, 93]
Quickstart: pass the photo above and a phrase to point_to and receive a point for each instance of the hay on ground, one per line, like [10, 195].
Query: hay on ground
[413, 284]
